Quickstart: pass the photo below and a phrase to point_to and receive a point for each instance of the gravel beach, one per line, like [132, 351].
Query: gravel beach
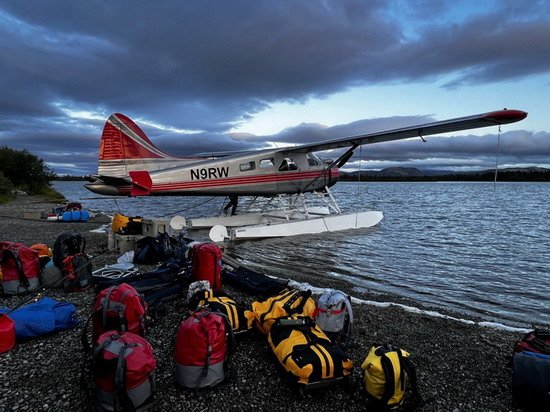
[461, 366]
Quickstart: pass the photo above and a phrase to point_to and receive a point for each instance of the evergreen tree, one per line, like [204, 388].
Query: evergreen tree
[23, 170]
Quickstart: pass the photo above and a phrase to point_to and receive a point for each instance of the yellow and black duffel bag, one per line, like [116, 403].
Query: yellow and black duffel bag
[126, 225]
[306, 354]
[388, 372]
[288, 303]
[217, 302]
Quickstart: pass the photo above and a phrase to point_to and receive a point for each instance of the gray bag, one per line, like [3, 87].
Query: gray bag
[51, 276]
[334, 313]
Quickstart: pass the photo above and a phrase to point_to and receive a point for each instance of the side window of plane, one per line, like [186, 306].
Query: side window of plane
[245, 167]
[266, 163]
[287, 164]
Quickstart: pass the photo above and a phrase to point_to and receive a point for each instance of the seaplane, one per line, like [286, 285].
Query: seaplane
[276, 179]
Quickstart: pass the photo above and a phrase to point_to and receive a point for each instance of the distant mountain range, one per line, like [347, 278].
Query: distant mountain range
[412, 173]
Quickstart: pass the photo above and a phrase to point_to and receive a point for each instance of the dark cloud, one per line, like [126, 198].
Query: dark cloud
[209, 65]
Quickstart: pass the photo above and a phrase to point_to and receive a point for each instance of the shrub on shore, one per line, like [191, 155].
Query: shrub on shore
[22, 170]
[6, 188]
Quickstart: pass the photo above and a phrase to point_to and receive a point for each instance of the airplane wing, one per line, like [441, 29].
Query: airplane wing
[462, 123]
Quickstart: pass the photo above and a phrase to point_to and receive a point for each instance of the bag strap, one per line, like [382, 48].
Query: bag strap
[230, 343]
[304, 295]
[121, 396]
[347, 302]
[87, 369]
[410, 369]
[22, 278]
[276, 299]
[389, 376]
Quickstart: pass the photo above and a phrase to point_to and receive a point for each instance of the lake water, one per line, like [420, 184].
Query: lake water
[462, 246]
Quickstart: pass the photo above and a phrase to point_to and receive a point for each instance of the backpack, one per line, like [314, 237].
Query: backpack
[51, 276]
[203, 348]
[67, 244]
[122, 373]
[119, 308]
[387, 370]
[206, 264]
[289, 302]
[306, 354]
[150, 250]
[216, 302]
[334, 315]
[78, 272]
[20, 268]
[531, 370]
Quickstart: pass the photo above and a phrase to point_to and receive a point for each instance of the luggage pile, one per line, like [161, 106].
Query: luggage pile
[308, 338]
[31, 271]
[26, 269]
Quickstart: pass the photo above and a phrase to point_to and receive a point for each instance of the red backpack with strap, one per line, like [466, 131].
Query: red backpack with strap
[206, 264]
[20, 267]
[203, 348]
[119, 308]
[123, 368]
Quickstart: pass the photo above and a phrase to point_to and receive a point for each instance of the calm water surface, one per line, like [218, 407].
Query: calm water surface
[461, 246]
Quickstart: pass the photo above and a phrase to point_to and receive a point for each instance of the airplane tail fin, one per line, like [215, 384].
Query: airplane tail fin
[123, 139]
[125, 147]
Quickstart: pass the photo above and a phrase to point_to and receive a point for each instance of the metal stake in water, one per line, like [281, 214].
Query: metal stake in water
[496, 162]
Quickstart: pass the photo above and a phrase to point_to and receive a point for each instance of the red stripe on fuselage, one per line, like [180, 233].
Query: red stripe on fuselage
[236, 181]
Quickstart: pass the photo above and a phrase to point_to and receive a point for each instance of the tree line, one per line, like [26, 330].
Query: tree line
[22, 170]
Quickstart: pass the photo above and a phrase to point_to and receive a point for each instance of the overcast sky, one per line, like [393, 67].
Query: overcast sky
[233, 75]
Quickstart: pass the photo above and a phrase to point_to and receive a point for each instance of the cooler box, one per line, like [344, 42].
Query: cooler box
[152, 227]
[125, 243]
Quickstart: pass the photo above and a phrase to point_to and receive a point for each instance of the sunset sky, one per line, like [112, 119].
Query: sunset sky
[232, 75]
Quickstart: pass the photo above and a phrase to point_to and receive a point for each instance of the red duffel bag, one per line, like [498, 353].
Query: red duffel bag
[206, 264]
[123, 372]
[203, 346]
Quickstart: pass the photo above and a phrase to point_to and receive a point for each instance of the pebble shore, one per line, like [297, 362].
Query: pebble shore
[460, 366]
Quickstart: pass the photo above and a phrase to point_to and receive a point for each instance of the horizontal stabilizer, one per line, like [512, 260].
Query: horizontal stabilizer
[141, 183]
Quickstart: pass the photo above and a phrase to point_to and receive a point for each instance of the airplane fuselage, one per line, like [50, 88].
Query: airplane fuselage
[263, 173]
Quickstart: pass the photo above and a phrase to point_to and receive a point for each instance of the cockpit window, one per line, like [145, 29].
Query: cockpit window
[287, 164]
[312, 160]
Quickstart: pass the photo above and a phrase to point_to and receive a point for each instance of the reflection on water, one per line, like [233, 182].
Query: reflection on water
[456, 245]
